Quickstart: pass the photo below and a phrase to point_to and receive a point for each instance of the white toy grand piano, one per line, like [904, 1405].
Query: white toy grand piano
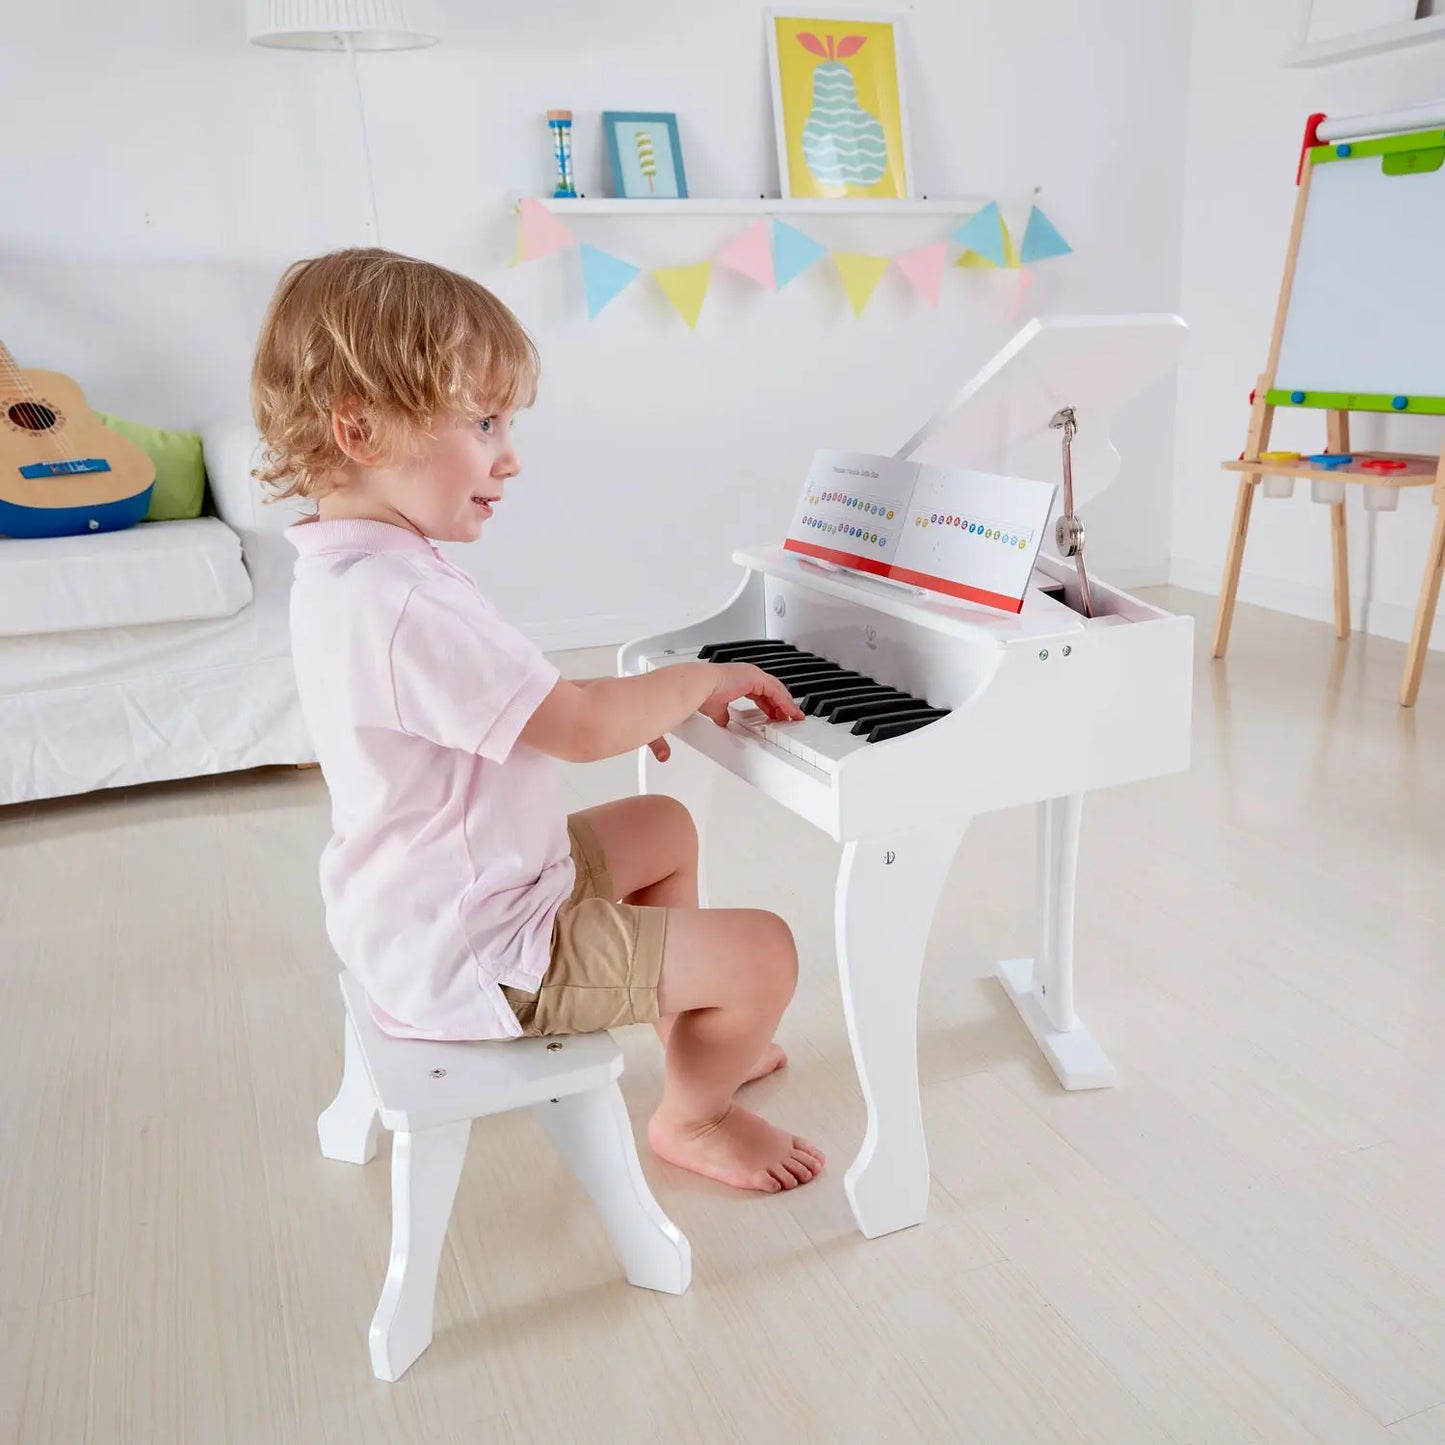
[924, 710]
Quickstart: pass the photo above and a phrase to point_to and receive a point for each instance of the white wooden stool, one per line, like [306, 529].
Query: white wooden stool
[427, 1094]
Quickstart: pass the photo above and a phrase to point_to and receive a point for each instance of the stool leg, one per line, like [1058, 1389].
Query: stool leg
[425, 1167]
[348, 1126]
[593, 1135]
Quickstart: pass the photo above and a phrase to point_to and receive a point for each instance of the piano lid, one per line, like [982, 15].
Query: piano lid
[999, 422]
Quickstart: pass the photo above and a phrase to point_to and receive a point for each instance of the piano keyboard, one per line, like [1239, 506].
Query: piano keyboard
[846, 710]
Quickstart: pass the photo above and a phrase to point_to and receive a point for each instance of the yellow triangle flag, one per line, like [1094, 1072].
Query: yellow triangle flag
[1010, 251]
[861, 275]
[685, 287]
[972, 258]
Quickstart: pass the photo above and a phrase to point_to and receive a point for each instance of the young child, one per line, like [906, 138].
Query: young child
[457, 888]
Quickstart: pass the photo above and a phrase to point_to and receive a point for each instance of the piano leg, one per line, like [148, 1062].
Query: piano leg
[687, 776]
[1042, 988]
[887, 889]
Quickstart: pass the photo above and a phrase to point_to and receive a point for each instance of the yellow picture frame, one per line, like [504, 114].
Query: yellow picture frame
[839, 108]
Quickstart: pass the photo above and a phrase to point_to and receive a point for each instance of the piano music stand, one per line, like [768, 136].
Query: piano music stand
[1059, 373]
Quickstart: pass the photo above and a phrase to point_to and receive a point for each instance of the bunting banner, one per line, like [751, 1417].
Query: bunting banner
[1041, 241]
[603, 277]
[861, 275]
[924, 269]
[793, 252]
[773, 254]
[983, 233]
[686, 287]
[540, 232]
[751, 255]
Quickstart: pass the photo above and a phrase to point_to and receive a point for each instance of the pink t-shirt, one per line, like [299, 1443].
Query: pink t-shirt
[449, 855]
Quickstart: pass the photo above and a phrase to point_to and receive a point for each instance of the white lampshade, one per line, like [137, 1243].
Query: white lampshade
[330, 24]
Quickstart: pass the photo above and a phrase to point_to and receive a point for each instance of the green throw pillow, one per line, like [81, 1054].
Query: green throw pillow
[180, 489]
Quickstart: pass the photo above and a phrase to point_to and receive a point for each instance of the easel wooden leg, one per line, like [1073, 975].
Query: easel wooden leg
[1337, 429]
[1425, 612]
[1342, 570]
[1242, 507]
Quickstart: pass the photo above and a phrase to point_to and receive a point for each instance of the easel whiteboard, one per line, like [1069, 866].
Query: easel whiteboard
[1366, 311]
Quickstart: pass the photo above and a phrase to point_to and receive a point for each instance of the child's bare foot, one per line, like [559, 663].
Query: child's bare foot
[740, 1149]
[773, 1058]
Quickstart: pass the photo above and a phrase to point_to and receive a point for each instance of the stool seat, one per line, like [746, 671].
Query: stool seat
[419, 1084]
[427, 1095]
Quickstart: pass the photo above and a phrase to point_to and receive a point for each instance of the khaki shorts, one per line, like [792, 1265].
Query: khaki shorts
[606, 956]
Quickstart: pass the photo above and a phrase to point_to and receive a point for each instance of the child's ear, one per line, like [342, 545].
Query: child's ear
[351, 431]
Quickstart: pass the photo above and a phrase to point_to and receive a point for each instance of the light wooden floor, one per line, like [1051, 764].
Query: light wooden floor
[1243, 1242]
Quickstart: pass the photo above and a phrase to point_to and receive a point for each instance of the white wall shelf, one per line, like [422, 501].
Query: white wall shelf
[755, 206]
[1367, 42]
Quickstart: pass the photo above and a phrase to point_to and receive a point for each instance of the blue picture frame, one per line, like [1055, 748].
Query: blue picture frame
[647, 169]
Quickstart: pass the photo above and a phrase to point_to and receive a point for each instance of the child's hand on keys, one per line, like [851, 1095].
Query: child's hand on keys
[741, 679]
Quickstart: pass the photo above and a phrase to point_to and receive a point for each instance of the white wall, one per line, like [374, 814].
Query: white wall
[146, 218]
[1246, 120]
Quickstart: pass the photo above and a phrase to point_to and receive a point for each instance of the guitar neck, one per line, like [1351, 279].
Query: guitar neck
[9, 368]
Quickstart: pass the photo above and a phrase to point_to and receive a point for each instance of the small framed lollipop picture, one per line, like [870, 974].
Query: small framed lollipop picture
[646, 155]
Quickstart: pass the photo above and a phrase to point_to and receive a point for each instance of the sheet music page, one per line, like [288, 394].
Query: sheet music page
[854, 505]
[963, 533]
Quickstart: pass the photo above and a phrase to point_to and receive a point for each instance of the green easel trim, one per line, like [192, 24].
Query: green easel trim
[1410, 163]
[1384, 145]
[1358, 401]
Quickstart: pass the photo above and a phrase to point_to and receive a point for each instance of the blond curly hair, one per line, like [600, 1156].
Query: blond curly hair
[396, 344]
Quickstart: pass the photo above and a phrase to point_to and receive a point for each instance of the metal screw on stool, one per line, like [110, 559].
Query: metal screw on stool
[554, 1048]
[1044, 655]
[1067, 649]
[438, 1073]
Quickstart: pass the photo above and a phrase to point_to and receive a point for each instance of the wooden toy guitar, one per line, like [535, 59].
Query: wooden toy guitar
[61, 471]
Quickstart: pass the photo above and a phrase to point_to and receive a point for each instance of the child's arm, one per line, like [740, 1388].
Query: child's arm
[614, 715]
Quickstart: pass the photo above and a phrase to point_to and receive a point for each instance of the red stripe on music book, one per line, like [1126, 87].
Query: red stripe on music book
[904, 574]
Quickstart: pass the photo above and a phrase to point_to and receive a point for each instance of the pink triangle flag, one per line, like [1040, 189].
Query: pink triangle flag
[924, 268]
[751, 254]
[540, 232]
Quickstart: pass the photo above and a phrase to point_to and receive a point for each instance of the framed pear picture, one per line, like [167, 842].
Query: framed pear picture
[838, 104]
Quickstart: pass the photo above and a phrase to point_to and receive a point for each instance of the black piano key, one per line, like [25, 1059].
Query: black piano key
[756, 652]
[822, 687]
[792, 671]
[877, 693]
[742, 651]
[895, 727]
[813, 698]
[873, 707]
[854, 681]
[862, 725]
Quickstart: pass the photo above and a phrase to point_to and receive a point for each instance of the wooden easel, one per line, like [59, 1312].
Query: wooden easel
[1419, 470]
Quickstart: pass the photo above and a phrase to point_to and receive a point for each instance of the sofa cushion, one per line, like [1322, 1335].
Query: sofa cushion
[180, 485]
[166, 572]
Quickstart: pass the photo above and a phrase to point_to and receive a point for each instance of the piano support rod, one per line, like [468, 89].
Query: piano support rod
[1058, 858]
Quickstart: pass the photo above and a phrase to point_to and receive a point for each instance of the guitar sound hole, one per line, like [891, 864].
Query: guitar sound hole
[32, 415]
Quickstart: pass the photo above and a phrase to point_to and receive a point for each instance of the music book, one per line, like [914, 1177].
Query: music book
[966, 534]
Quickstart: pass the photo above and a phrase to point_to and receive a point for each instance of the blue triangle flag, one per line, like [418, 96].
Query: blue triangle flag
[793, 253]
[984, 233]
[603, 276]
[1041, 240]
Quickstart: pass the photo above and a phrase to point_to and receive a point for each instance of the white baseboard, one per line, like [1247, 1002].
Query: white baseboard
[608, 629]
[1381, 619]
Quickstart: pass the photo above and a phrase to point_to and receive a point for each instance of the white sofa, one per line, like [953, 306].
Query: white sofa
[153, 653]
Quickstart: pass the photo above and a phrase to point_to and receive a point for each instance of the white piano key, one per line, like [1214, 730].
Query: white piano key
[820, 743]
